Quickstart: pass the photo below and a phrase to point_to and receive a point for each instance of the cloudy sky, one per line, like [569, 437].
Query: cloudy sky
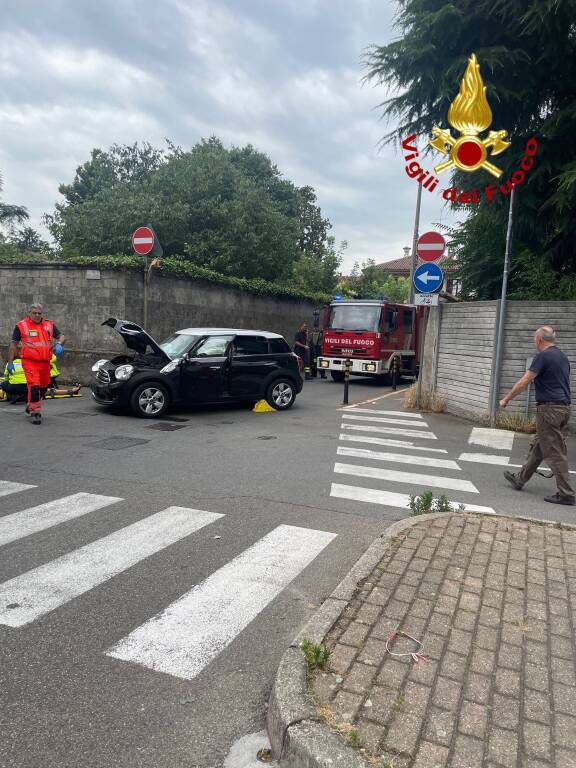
[284, 75]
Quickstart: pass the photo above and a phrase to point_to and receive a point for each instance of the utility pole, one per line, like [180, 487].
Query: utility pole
[502, 314]
[415, 244]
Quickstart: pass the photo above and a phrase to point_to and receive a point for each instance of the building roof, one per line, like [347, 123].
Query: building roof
[403, 265]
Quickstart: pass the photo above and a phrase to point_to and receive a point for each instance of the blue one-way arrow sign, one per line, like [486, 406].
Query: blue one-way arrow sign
[428, 278]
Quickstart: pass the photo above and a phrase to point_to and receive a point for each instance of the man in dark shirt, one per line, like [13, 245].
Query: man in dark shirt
[302, 350]
[550, 372]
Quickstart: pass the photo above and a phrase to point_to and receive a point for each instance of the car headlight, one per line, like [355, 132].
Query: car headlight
[171, 366]
[98, 364]
[124, 372]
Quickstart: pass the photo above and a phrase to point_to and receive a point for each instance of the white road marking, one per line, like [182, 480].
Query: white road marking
[390, 431]
[390, 499]
[34, 519]
[49, 586]
[380, 397]
[491, 438]
[390, 443]
[191, 632]
[485, 458]
[385, 420]
[383, 413]
[7, 488]
[408, 478]
[399, 458]
[493, 458]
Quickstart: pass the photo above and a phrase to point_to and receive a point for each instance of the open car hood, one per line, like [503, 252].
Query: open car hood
[136, 338]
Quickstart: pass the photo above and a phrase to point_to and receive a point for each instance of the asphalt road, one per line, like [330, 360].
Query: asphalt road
[108, 656]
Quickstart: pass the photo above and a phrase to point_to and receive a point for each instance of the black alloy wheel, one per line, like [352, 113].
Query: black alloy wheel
[281, 394]
[150, 401]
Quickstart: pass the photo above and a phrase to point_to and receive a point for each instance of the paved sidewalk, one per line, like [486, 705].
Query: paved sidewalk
[494, 601]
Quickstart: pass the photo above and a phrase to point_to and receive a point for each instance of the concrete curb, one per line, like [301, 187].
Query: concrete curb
[298, 740]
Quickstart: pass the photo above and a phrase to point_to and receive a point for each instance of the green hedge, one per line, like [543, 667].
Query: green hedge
[173, 267]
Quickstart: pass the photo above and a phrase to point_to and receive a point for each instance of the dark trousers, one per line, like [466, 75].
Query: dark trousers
[549, 445]
[15, 391]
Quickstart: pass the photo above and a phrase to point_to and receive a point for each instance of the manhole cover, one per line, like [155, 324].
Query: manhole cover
[267, 437]
[75, 414]
[165, 427]
[119, 443]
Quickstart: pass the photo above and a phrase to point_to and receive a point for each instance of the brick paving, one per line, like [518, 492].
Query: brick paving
[494, 601]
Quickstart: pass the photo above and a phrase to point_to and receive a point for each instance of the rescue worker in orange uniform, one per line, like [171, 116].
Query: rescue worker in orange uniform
[37, 339]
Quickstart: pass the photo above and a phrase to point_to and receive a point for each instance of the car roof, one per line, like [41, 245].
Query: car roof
[227, 332]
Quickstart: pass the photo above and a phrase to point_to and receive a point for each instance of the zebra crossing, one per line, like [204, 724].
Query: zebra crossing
[412, 463]
[494, 439]
[190, 632]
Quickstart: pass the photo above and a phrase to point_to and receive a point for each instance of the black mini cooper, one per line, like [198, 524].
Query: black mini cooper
[196, 365]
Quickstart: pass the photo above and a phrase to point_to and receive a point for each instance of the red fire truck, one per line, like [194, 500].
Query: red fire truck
[370, 333]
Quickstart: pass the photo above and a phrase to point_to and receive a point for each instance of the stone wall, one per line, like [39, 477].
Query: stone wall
[461, 346]
[80, 299]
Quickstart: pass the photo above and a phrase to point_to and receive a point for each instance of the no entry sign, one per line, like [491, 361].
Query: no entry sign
[431, 246]
[143, 241]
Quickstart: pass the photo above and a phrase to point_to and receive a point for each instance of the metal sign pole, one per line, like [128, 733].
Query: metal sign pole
[415, 244]
[421, 357]
[145, 312]
[502, 314]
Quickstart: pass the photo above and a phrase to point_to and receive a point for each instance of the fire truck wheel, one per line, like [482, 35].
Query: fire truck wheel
[281, 394]
[337, 376]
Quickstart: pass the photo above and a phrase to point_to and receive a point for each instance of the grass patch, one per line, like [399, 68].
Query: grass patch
[516, 423]
[429, 401]
[317, 656]
[426, 504]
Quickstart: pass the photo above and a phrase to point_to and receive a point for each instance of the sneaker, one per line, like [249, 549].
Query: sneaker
[559, 498]
[36, 418]
[513, 480]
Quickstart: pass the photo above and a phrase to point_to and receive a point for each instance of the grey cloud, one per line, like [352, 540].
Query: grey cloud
[283, 75]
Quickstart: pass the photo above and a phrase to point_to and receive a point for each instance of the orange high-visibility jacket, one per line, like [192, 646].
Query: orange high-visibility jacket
[36, 340]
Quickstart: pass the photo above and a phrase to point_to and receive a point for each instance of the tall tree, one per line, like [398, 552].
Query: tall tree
[28, 240]
[372, 282]
[11, 213]
[229, 210]
[527, 53]
[317, 272]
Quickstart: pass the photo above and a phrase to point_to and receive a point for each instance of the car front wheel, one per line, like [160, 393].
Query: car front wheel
[149, 401]
[281, 394]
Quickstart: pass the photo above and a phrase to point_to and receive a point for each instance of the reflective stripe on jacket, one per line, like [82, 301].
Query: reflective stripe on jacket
[36, 340]
[18, 376]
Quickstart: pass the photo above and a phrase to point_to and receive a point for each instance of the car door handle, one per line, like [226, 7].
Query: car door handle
[214, 367]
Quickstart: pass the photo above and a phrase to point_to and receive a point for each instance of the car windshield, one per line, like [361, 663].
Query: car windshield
[355, 317]
[177, 344]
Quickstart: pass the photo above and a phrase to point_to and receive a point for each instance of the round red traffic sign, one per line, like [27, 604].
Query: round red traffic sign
[143, 241]
[431, 246]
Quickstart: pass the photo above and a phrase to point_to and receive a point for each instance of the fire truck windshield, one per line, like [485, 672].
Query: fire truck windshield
[355, 317]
